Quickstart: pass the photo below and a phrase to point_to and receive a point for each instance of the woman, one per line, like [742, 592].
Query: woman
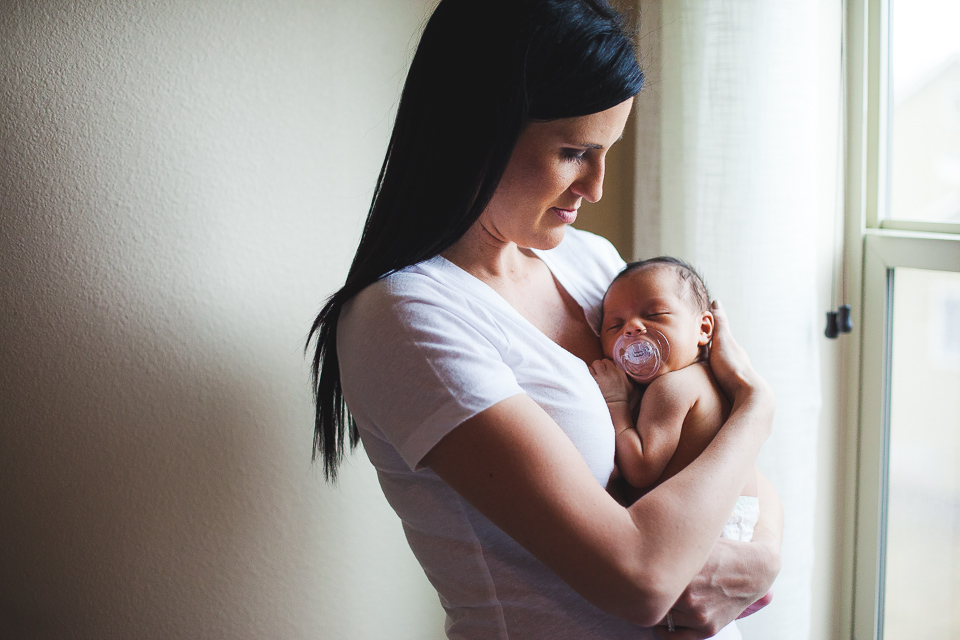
[461, 339]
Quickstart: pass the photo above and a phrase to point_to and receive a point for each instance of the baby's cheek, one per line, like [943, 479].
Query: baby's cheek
[606, 346]
[609, 340]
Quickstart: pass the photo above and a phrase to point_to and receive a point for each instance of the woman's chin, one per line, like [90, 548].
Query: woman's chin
[549, 238]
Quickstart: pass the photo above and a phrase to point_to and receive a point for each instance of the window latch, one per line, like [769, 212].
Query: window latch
[838, 321]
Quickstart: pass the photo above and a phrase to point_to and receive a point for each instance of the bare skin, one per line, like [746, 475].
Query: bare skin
[679, 415]
[682, 408]
[515, 465]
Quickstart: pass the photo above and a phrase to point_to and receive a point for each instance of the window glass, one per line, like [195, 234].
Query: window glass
[922, 581]
[924, 161]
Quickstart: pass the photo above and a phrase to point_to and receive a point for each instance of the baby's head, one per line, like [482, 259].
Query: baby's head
[660, 294]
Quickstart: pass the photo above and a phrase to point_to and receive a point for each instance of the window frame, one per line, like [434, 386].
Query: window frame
[874, 247]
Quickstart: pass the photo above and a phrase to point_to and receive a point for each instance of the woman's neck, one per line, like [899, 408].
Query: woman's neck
[489, 258]
[527, 284]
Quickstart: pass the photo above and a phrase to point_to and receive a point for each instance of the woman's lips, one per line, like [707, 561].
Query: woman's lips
[567, 216]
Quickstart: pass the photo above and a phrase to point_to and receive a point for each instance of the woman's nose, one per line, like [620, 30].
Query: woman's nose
[589, 185]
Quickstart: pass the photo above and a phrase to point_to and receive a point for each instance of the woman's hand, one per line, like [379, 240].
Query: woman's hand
[730, 365]
[735, 582]
[722, 592]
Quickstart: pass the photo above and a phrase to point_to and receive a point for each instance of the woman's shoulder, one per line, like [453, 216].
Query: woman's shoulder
[422, 296]
[428, 281]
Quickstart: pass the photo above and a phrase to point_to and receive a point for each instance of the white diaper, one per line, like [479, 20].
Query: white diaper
[744, 518]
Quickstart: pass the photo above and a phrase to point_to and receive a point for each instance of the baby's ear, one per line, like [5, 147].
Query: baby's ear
[706, 328]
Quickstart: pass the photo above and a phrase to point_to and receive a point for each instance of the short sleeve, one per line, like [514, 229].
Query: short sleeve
[417, 360]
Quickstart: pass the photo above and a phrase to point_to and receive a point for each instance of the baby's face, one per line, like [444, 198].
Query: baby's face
[655, 298]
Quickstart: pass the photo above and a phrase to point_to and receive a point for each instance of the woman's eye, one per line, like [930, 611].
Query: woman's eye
[575, 155]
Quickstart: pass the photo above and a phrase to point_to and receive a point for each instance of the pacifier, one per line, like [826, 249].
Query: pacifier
[641, 355]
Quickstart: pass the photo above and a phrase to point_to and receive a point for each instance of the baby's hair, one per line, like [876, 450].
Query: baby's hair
[689, 280]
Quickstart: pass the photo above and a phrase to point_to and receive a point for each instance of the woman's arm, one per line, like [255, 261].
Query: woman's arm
[736, 579]
[516, 466]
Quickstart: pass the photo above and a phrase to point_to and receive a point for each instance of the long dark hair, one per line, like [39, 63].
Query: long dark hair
[483, 70]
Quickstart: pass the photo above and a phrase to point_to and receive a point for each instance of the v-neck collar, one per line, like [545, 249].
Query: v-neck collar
[485, 291]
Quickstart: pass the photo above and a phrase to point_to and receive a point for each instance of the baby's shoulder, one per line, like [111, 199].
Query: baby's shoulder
[693, 381]
[709, 397]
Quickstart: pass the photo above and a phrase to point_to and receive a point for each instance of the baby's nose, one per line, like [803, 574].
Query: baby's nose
[635, 327]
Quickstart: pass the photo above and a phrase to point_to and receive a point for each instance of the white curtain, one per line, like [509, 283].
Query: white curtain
[738, 195]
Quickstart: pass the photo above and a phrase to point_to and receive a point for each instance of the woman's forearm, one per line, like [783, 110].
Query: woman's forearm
[512, 463]
[694, 504]
[736, 579]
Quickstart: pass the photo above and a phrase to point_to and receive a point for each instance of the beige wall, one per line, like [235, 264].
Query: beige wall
[181, 184]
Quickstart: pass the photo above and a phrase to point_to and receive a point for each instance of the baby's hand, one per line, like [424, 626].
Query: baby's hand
[613, 383]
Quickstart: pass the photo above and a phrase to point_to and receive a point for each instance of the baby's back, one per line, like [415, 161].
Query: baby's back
[709, 410]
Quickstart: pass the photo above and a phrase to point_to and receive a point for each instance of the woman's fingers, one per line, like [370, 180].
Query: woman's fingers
[721, 321]
[722, 590]
[673, 629]
[728, 360]
[756, 606]
[723, 340]
[679, 634]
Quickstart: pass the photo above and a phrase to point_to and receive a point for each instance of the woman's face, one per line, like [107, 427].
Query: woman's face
[554, 167]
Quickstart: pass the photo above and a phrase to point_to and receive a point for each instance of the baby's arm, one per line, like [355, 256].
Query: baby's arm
[643, 453]
[643, 449]
[616, 389]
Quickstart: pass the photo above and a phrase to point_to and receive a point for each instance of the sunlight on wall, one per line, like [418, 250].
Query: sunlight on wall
[183, 183]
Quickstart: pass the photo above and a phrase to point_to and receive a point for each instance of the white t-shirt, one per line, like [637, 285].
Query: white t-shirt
[423, 350]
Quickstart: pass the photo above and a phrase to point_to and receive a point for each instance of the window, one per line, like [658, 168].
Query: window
[908, 516]
[924, 107]
[903, 208]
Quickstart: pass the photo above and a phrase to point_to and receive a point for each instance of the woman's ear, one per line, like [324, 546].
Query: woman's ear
[706, 328]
